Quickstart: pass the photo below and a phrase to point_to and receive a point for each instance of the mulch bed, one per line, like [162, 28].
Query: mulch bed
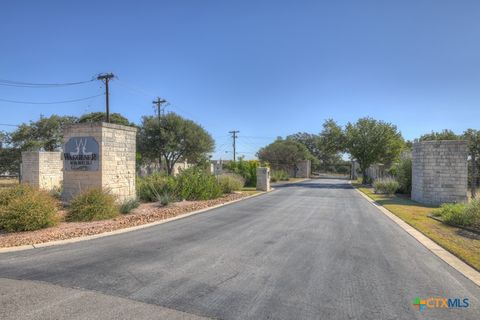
[145, 213]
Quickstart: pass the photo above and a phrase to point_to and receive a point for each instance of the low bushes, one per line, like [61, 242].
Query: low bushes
[197, 184]
[25, 208]
[245, 168]
[279, 175]
[152, 187]
[94, 204]
[461, 214]
[402, 171]
[230, 182]
[385, 185]
[128, 206]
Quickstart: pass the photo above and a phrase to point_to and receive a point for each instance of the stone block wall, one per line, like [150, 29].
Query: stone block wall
[263, 178]
[439, 171]
[116, 167]
[42, 169]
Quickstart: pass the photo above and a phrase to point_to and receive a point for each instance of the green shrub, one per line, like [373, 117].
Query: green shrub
[25, 208]
[230, 182]
[279, 175]
[151, 187]
[402, 171]
[129, 205]
[472, 212]
[94, 204]
[165, 199]
[460, 214]
[385, 185]
[245, 168]
[197, 184]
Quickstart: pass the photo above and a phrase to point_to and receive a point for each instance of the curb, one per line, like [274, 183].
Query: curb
[436, 249]
[124, 230]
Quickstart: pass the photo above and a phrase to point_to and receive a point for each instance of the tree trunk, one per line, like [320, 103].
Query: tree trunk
[168, 166]
[474, 177]
[364, 175]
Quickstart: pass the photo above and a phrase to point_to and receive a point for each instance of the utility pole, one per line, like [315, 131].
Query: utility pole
[234, 136]
[159, 103]
[105, 78]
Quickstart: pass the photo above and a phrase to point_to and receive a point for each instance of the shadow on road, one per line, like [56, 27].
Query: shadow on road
[314, 185]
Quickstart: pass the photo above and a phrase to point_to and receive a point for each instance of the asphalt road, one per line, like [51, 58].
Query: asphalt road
[312, 250]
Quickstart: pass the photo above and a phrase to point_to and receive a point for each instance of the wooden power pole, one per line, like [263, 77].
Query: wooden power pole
[234, 136]
[105, 78]
[159, 103]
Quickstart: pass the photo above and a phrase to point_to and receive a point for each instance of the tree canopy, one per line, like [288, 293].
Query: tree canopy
[173, 138]
[371, 141]
[282, 154]
[9, 156]
[325, 147]
[45, 133]
[445, 134]
[115, 118]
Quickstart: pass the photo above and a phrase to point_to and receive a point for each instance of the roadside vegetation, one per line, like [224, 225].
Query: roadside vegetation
[279, 175]
[247, 169]
[91, 205]
[194, 183]
[386, 186]
[25, 208]
[460, 214]
[230, 182]
[463, 244]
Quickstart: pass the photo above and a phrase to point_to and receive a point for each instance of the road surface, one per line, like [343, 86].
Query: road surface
[310, 250]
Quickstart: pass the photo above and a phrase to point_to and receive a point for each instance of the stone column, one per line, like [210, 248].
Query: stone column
[439, 171]
[42, 169]
[304, 169]
[263, 179]
[99, 155]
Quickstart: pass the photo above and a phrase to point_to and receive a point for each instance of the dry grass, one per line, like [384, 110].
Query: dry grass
[463, 244]
[250, 190]
[8, 182]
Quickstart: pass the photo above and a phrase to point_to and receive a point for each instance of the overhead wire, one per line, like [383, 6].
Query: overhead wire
[22, 84]
[51, 102]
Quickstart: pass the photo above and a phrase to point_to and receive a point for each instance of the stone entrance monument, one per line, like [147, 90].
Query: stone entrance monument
[99, 155]
[439, 171]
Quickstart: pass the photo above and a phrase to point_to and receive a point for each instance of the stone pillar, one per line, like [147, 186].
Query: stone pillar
[42, 169]
[263, 179]
[99, 155]
[439, 171]
[304, 169]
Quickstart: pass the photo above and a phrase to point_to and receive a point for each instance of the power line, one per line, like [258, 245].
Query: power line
[9, 125]
[52, 102]
[22, 84]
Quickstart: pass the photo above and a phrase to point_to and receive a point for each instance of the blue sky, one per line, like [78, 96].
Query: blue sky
[266, 68]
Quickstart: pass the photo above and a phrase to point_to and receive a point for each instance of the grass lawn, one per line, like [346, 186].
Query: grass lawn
[463, 244]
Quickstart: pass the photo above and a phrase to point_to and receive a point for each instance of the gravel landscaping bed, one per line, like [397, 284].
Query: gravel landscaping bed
[145, 213]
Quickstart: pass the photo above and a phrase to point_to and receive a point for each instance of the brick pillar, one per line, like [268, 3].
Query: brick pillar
[263, 179]
[99, 155]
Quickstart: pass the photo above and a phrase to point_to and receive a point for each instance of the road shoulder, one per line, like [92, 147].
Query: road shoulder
[440, 252]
